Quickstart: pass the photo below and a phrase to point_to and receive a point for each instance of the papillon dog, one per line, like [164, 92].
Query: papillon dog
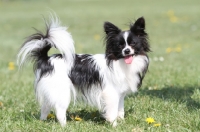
[101, 80]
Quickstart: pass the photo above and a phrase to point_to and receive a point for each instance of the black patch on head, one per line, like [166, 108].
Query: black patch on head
[85, 73]
[115, 43]
[110, 29]
[111, 33]
[138, 29]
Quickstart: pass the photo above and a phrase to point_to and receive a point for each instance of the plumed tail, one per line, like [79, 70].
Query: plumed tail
[36, 46]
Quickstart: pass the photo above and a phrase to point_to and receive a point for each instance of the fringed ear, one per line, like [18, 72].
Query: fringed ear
[111, 32]
[111, 29]
[138, 27]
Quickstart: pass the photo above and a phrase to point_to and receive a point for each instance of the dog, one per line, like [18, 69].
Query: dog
[101, 80]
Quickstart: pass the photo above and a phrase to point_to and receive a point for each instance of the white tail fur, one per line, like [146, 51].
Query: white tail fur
[37, 45]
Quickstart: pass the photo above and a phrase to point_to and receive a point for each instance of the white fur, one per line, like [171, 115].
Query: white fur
[127, 46]
[54, 91]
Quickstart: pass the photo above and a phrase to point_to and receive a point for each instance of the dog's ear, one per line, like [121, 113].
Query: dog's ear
[138, 27]
[111, 29]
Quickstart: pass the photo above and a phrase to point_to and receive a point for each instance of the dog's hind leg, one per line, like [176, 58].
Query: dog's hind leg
[61, 115]
[45, 110]
[62, 103]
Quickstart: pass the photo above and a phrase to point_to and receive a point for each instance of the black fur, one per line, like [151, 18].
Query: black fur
[42, 63]
[85, 72]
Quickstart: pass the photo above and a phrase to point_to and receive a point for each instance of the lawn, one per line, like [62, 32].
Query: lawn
[170, 93]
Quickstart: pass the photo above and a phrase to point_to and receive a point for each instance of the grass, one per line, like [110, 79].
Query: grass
[170, 92]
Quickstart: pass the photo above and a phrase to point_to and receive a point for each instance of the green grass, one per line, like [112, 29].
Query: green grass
[171, 89]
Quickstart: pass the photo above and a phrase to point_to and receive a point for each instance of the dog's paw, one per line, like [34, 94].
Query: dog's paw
[114, 124]
[121, 115]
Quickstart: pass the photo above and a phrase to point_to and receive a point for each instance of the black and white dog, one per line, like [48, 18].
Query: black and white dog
[101, 80]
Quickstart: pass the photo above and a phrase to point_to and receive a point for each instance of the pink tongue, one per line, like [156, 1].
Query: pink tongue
[128, 59]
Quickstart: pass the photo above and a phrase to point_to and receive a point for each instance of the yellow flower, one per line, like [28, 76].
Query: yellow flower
[172, 16]
[170, 13]
[11, 65]
[150, 120]
[168, 50]
[178, 49]
[1, 104]
[157, 125]
[77, 118]
[173, 19]
[96, 37]
[51, 116]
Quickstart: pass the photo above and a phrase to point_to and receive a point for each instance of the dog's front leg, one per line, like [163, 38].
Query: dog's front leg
[121, 107]
[111, 101]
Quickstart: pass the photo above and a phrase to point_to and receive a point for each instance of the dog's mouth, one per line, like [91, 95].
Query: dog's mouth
[128, 59]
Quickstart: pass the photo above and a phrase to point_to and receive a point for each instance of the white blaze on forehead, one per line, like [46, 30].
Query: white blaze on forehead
[126, 37]
[127, 58]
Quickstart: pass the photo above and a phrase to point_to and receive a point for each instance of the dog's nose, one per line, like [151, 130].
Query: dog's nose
[127, 51]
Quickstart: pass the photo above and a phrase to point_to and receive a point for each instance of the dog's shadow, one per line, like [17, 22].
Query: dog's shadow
[86, 115]
[177, 94]
[78, 115]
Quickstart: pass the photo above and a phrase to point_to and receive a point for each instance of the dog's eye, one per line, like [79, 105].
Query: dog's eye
[121, 44]
[133, 43]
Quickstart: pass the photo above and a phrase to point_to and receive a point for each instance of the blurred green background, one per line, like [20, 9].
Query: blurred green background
[170, 91]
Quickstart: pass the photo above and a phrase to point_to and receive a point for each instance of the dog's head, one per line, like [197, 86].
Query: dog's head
[126, 44]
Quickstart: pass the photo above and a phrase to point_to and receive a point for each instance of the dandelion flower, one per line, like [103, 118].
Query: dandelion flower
[96, 37]
[157, 125]
[172, 16]
[173, 19]
[1, 104]
[11, 65]
[51, 116]
[170, 13]
[78, 118]
[168, 50]
[150, 120]
[178, 49]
